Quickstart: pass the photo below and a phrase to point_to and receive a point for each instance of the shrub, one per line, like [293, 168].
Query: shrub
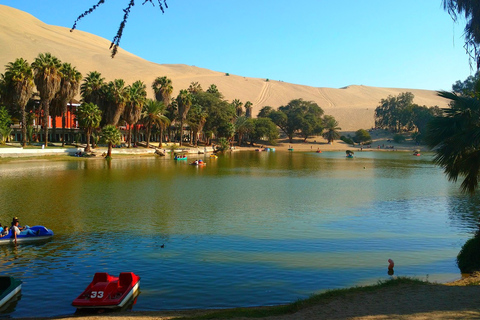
[227, 74]
[223, 144]
[468, 259]
[398, 138]
[347, 140]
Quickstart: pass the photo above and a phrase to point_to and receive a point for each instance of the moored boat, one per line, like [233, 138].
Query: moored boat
[38, 233]
[106, 291]
[9, 287]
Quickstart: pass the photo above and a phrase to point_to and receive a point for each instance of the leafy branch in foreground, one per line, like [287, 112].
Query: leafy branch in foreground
[116, 40]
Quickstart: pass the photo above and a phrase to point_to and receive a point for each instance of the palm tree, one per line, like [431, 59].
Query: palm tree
[117, 96]
[243, 125]
[133, 109]
[68, 90]
[19, 84]
[194, 88]
[91, 88]
[153, 114]
[455, 138]
[238, 107]
[47, 79]
[184, 101]
[248, 109]
[162, 86]
[332, 128]
[89, 117]
[111, 135]
[196, 119]
[471, 11]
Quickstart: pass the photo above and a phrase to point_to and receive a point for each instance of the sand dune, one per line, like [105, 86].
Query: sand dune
[22, 35]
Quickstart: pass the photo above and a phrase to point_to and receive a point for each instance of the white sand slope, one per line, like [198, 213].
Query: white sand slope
[22, 35]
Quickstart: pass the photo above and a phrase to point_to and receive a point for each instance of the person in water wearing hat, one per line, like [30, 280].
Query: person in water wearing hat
[17, 232]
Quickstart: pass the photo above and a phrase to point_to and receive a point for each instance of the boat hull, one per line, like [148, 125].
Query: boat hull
[108, 292]
[9, 288]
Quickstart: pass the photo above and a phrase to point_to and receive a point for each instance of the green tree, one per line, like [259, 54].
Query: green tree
[184, 101]
[111, 136]
[89, 117]
[5, 123]
[162, 87]
[69, 87]
[238, 105]
[137, 96]
[298, 115]
[196, 118]
[455, 139]
[195, 88]
[263, 128]
[19, 85]
[117, 96]
[248, 109]
[243, 126]
[331, 129]
[395, 113]
[47, 79]
[92, 87]
[362, 136]
[265, 112]
[153, 115]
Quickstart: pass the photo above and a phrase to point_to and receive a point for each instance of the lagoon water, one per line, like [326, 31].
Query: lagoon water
[250, 228]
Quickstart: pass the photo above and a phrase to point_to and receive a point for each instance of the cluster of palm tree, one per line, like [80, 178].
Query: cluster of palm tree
[56, 83]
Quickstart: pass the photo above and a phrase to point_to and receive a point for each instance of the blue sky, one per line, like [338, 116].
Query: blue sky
[382, 43]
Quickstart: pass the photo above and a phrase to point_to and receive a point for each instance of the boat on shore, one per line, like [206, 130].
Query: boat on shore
[39, 233]
[108, 292]
[9, 287]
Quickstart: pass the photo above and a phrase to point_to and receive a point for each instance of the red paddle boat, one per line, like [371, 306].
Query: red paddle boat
[106, 291]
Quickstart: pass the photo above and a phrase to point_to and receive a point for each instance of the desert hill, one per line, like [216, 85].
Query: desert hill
[22, 35]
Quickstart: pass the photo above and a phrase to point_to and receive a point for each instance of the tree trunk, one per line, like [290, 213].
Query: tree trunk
[149, 129]
[89, 133]
[46, 113]
[161, 137]
[109, 152]
[181, 132]
[24, 127]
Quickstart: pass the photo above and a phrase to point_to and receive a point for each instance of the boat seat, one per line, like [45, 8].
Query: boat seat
[125, 279]
[100, 277]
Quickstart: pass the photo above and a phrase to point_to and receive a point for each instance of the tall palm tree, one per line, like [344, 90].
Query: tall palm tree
[153, 114]
[117, 96]
[162, 86]
[19, 84]
[111, 135]
[248, 109]
[455, 137]
[133, 109]
[194, 88]
[91, 88]
[68, 90]
[238, 107]
[331, 129]
[184, 101]
[89, 117]
[196, 119]
[47, 79]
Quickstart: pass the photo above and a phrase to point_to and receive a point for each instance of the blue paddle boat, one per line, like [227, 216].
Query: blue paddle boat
[38, 233]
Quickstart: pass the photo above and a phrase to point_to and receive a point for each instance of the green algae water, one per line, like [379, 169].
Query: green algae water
[248, 229]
